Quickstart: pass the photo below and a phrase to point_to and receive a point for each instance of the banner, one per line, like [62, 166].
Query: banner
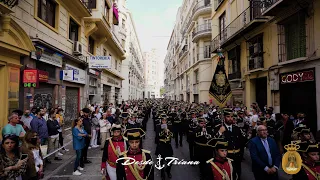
[220, 88]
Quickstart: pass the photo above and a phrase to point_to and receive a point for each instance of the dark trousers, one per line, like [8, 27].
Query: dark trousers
[78, 160]
[60, 139]
[176, 133]
[84, 152]
[191, 150]
[167, 169]
[236, 163]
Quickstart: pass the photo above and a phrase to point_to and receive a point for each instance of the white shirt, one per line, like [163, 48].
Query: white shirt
[229, 128]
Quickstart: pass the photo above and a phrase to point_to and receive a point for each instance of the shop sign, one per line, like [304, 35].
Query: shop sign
[43, 76]
[53, 59]
[94, 72]
[100, 62]
[79, 75]
[67, 75]
[112, 81]
[30, 76]
[300, 76]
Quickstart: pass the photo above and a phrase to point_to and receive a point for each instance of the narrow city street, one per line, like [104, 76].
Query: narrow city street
[62, 170]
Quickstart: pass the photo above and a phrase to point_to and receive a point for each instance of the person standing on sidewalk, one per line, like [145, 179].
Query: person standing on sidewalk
[53, 133]
[60, 119]
[95, 129]
[39, 125]
[105, 126]
[87, 127]
[79, 136]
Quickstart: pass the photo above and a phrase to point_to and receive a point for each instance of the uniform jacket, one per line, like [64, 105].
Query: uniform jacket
[128, 172]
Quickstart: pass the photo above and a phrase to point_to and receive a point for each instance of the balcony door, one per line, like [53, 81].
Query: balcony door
[222, 27]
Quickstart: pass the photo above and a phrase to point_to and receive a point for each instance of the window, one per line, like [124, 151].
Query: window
[106, 11]
[73, 30]
[123, 43]
[256, 52]
[292, 37]
[116, 64]
[196, 75]
[222, 26]
[47, 11]
[91, 45]
[92, 4]
[104, 52]
[123, 23]
[92, 81]
[207, 50]
[234, 62]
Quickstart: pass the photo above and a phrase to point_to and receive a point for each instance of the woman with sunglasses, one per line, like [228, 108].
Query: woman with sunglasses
[79, 135]
[11, 165]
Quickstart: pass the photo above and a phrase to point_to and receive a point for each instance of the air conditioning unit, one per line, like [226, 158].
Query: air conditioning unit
[77, 49]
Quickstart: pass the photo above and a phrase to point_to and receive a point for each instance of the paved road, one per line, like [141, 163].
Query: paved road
[62, 170]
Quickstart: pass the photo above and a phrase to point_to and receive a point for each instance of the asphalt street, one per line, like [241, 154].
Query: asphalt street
[62, 170]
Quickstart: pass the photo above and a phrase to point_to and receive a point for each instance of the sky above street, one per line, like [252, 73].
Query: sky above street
[154, 22]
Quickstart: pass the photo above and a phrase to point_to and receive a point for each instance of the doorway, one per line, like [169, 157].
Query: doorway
[261, 92]
[300, 97]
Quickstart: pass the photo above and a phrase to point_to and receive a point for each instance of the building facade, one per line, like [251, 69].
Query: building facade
[272, 53]
[132, 68]
[54, 40]
[188, 62]
[151, 74]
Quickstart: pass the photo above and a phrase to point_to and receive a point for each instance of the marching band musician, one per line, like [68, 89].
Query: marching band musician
[133, 121]
[164, 148]
[113, 147]
[236, 140]
[190, 137]
[202, 151]
[303, 134]
[135, 171]
[177, 127]
[310, 162]
[221, 166]
[124, 116]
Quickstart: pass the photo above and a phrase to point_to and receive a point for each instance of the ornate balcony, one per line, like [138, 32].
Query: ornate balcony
[245, 22]
[79, 7]
[183, 51]
[274, 7]
[201, 8]
[201, 31]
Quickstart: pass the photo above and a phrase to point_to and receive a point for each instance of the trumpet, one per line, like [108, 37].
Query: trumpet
[204, 130]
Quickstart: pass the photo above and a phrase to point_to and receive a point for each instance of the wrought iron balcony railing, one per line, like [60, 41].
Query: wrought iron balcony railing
[201, 29]
[183, 51]
[239, 24]
[200, 5]
[86, 4]
[10, 3]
